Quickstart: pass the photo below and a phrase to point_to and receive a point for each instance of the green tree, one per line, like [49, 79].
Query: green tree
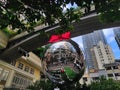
[104, 84]
[24, 14]
[42, 84]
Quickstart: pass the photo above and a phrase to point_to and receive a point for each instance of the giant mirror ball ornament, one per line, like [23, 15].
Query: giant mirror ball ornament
[64, 62]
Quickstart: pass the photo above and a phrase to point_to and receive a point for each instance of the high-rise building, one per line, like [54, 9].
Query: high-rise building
[117, 35]
[102, 55]
[89, 40]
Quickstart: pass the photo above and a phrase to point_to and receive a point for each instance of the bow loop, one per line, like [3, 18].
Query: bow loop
[56, 38]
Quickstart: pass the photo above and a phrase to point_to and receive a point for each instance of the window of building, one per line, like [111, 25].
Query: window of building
[20, 66]
[16, 80]
[5, 75]
[110, 75]
[102, 59]
[95, 78]
[21, 81]
[31, 71]
[26, 69]
[115, 67]
[108, 68]
[13, 63]
[85, 79]
[107, 53]
[117, 74]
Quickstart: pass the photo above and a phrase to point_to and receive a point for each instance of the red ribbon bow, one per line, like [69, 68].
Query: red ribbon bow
[56, 38]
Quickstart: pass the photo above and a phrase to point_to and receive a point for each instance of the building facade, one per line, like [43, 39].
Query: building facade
[111, 70]
[102, 54]
[93, 76]
[90, 40]
[117, 35]
[21, 73]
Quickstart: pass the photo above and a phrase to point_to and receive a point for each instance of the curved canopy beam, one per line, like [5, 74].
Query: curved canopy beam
[32, 41]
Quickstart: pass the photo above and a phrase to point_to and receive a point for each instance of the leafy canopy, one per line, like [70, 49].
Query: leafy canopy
[24, 14]
[104, 84]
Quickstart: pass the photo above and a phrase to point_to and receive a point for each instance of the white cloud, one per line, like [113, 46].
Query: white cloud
[78, 40]
[108, 32]
[109, 35]
[116, 51]
[111, 39]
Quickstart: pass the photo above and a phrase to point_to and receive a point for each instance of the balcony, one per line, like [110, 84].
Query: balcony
[33, 60]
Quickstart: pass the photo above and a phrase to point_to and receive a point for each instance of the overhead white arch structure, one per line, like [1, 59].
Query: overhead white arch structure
[33, 40]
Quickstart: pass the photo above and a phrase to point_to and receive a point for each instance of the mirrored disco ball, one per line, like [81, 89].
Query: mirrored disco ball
[64, 62]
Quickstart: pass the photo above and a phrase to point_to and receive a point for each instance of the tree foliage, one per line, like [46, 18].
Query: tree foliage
[24, 14]
[42, 85]
[48, 85]
[104, 84]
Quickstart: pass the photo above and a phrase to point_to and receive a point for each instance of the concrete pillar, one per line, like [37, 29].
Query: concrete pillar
[10, 79]
[1, 87]
[113, 73]
[1, 74]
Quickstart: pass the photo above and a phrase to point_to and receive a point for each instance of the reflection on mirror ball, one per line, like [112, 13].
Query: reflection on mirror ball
[64, 62]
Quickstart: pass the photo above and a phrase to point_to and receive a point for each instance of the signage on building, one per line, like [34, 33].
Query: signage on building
[92, 70]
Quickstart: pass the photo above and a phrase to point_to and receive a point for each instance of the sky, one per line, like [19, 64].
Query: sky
[70, 6]
[110, 39]
[112, 42]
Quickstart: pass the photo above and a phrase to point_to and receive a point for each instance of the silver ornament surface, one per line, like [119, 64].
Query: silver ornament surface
[64, 62]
